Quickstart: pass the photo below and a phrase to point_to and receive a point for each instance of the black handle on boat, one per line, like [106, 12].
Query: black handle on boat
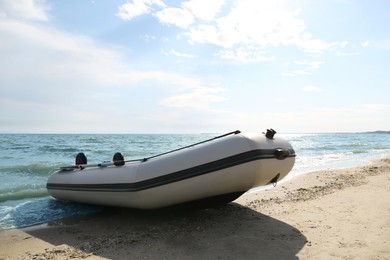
[282, 153]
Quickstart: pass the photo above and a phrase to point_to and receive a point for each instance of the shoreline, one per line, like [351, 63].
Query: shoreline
[338, 213]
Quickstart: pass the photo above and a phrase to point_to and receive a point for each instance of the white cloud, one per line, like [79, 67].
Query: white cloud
[178, 54]
[344, 44]
[54, 53]
[205, 34]
[245, 55]
[51, 54]
[310, 65]
[365, 43]
[198, 98]
[311, 88]
[353, 50]
[242, 31]
[148, 38]
[259, 25]
[309, 68]
[339, 53]
[307, 43]
[185, 15]
[175, 16]
[35, 10]
[252, 22]
[205, 10]
[136, 8]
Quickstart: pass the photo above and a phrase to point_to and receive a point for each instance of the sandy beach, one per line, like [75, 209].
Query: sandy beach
[331, 214]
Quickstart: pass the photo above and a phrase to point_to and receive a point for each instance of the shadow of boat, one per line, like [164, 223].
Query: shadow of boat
[231, 231]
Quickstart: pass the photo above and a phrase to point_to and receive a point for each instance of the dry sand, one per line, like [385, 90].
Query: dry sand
[333, 214]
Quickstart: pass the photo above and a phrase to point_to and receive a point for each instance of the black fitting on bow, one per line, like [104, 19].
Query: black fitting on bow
[270, 133]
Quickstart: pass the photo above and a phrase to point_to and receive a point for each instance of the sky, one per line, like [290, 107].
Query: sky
[196, 66]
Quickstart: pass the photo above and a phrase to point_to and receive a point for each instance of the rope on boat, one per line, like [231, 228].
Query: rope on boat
[185, 147]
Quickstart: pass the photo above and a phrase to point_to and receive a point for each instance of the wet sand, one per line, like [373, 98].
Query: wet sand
[332, 214]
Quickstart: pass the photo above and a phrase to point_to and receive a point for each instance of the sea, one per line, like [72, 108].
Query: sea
[27, 160]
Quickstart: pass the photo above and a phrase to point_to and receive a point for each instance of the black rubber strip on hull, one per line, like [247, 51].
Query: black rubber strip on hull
[199, 170]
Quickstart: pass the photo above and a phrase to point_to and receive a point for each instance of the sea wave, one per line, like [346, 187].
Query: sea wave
[41, 169]
[360, 151]
[382, 147]
[23, 192]
[25, 213]
[58, 149]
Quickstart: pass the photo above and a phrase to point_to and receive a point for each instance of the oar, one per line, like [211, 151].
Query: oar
[83, 166]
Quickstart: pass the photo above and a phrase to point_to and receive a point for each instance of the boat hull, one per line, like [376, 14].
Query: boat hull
[230, 165]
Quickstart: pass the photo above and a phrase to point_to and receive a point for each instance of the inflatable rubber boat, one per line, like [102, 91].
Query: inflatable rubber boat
[219, 169]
